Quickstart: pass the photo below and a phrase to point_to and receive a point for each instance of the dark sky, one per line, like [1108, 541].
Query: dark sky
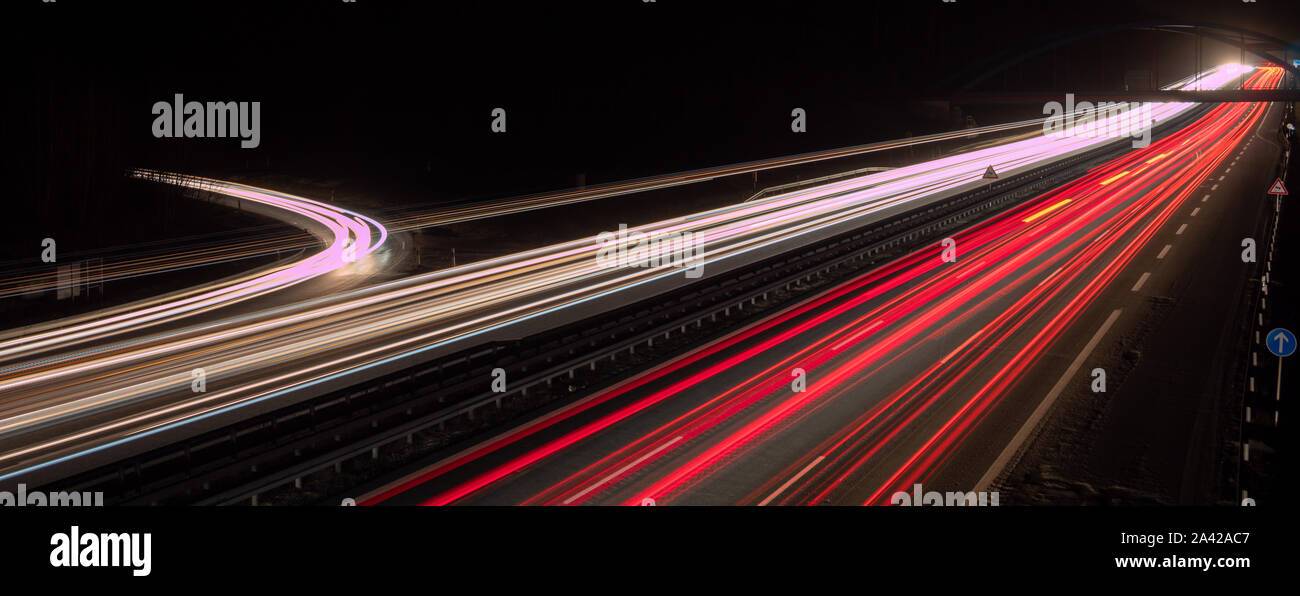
[615, 88]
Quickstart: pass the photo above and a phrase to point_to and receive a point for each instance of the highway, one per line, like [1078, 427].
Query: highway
[918, 372]
[347, 238]
[74, 407]
[155, 261]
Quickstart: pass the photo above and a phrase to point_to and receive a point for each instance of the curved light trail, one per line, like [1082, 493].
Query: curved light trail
[351, 237]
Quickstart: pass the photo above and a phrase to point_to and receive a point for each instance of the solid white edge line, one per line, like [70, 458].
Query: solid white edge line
[1031, 423]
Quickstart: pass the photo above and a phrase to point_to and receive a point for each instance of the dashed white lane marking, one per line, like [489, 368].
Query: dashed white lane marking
[1226, 171]
[792, 480]
[1031, 423]
[970, 270]
[1195, 211]
[1221, 178]
[1181, 229]
[958, 349]
[1164, 251]
[1215, 187]
[859, 334]
[1205, 198]
[1049, 278]
[618, 472]
[1141, 280]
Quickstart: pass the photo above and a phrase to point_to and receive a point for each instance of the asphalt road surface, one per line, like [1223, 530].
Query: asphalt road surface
[925, 371]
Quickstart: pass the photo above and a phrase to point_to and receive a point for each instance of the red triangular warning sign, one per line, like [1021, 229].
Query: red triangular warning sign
[990, 174]
[1278, 188]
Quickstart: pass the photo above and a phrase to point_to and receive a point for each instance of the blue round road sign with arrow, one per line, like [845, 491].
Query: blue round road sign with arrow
[1280, 342]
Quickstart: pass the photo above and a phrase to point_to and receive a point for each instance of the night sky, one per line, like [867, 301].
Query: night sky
[402, 92]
